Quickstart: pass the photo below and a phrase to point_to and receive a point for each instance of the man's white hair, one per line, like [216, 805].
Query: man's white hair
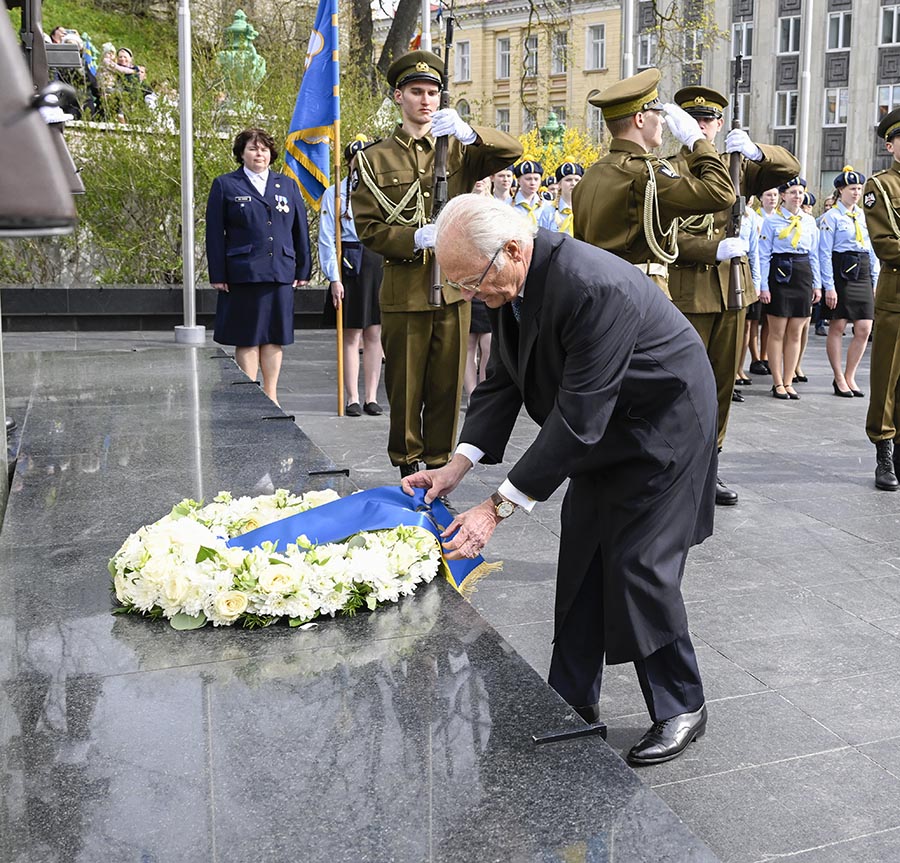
[484, 223]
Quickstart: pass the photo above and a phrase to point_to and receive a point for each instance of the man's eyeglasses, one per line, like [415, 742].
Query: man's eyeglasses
[461, 286]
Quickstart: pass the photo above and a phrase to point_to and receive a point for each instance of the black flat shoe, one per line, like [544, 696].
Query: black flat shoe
[736, 396]
[742, 382]
[800, 379]
[759, 367]
[373, 409]
[353, 410]
[668, 739]
[783, 396]
[844, 394]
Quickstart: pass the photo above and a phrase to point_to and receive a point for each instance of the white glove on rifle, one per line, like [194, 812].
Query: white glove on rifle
[448, 122]
[732, 247]
[682, 125]
[424, 237]
[738, 141]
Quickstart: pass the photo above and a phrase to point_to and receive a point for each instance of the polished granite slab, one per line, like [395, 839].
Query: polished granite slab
[403, 735]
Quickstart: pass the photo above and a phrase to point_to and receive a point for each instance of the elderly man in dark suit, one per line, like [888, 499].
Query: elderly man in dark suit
[621, 386]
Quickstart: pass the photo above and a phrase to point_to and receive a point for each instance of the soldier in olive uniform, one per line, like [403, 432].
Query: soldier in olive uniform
[628, 202]
[424, 345]
[699, 280]
[880, 195]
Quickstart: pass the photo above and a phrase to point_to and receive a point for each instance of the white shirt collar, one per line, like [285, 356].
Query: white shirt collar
[259, 180]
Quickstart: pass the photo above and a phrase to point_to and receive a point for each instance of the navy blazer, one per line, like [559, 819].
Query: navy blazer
[256, 238]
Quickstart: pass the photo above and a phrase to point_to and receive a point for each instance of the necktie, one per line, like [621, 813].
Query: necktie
[565, 226]
[858, 226]
[532, 210]
[793, 229]
[517, 308]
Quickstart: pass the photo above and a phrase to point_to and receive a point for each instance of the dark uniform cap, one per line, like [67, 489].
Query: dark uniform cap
[357, 144]
[889, 125]
[701, 101]
[569, 169]
[528, 167]
[415, 66]
[809, 200]
[626, 98]
[547, 195]
[797, 181]
[849, 177]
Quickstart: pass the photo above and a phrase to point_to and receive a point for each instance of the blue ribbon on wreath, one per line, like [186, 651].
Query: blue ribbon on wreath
[375, 509]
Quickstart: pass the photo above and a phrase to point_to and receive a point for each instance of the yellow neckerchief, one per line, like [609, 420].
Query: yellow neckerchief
[566, 225]
[794, 229]
[854, 214]
[531, 209]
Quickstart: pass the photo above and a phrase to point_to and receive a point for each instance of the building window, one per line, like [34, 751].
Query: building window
[836, 102]
[786, 108]
[887, 97]
[743, 105]
[839, 31]
[560, 60]
[742, 39]
[693, 46]
[463, 109]
[595, 53]
[594, 120]
[890, 24]
[560, 111]
[529, 120]
[463, 70]
[531, 56]
[501, 119]
[789, 35]
[503, 58]
[646, 53]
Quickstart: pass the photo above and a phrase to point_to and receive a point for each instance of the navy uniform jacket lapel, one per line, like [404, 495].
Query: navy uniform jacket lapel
[241, 176]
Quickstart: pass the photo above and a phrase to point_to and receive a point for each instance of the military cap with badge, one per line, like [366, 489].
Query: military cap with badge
[701, 102]
[415, 66]
[625, 98]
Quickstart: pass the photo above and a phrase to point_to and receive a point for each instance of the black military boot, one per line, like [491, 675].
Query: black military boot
[885, 460]
[897, 458]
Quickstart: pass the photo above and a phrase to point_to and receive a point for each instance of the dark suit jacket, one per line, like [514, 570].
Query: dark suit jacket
[621, 386]
[256, 238]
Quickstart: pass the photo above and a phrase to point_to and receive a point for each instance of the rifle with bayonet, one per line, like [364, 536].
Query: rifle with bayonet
[441, 149]
[735, 288]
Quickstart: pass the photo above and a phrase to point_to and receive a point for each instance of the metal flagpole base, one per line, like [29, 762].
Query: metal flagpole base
[190, 335]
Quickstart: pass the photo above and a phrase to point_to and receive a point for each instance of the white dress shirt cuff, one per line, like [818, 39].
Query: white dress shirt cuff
[472, 453]
[510, 492]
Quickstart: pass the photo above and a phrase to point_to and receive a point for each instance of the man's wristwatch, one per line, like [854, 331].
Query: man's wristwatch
[502, 507]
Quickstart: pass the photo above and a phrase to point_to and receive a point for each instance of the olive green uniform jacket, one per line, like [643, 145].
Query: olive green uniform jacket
[883, 222]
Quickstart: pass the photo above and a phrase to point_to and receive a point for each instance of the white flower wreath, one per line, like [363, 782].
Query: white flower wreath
[180, 567]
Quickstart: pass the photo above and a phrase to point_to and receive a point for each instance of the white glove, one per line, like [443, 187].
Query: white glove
[424, 238]
[738, 141]
[448, 122]
[732, 247]
[682, 125]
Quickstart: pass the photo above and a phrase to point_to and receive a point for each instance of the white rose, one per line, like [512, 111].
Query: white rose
[228, 606]
[277, 579]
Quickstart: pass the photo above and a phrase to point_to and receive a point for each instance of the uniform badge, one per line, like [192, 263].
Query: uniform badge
[869, 200]
[240, 198]
[281, 204]
[666, 171]
[354, 180]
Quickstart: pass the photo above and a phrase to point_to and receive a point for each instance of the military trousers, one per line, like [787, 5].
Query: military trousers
[722, 334]
[883, 416]
[425, 357]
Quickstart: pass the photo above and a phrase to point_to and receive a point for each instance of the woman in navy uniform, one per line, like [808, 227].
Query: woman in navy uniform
[257, 248]
[849, 272]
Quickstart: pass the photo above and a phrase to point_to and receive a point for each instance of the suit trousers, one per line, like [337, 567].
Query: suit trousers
[883, 416]
[669, 678]
[425, 357]
[722, 334]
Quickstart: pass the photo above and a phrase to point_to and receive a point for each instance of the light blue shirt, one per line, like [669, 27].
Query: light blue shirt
[550, 216]
[771, 244]
[750, 227]
[327, 254]
[520, 200]
[837, 233]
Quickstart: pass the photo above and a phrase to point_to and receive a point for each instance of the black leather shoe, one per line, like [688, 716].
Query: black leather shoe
[858, 393]
[885, 478]
[783, 396]
[373, 409]
[736, 396]
[668, 739]
[409, 469]
[724, 495]
[844, 394]
[759, 367]
[10, 424]
[353, 410]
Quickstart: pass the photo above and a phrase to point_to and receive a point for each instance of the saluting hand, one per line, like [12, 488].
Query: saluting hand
[682, 125]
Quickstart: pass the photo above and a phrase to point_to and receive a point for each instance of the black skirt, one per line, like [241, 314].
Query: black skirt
[361, 273]
[754, 311]
[481, 323]
[255, 313]
[853, 283]
[790, 282]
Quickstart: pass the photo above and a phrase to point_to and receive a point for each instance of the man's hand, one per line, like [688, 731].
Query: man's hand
[738, 141]
[220, 286]
[475, 528]
[440, 481]
[682, 125]
[731, 247]
[424, 237]
[448, 122]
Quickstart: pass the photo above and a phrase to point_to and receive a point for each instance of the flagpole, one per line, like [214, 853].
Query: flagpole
[339, 252]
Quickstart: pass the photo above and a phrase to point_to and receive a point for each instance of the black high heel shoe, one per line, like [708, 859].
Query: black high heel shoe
[783, 396]
[844, 394]
[857, 393]
[794, 397]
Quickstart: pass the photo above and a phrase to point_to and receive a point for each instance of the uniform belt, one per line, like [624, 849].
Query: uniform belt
[651, 268]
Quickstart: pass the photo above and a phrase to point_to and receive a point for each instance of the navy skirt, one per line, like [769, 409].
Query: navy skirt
[790, 281]
[255, 313]
[853, 283]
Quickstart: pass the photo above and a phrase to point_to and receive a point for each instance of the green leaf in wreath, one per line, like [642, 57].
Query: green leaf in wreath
[187, 621]
[206, 553]
[356, 542]
[111, 566]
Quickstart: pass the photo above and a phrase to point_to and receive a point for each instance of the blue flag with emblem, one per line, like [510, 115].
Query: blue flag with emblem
[89, 53]
[318, 109]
